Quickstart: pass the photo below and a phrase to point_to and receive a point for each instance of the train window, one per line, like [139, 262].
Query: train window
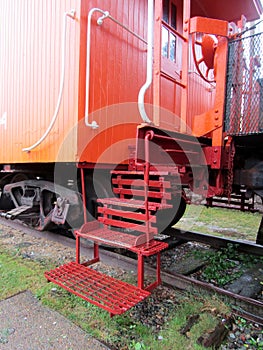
[168, 36]
[165, 42]
[173, 16]
[166, 11]
[172, 47]
[169, 13]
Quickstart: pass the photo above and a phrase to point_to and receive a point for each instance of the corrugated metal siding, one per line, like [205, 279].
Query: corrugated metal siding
[118, 62]
[30, 66]
[118, 70]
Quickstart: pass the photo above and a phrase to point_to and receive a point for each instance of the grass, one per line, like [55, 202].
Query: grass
[232, 224]
[17, 275]
[126, 332]
[122, 332]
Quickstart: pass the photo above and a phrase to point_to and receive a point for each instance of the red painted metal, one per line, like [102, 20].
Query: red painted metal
[156, 189]
[139, 182]
[101, 290]
[148, 137]
[112, 47]
[228, 10]
[104, 235]
[29, 55]
[125, 214]
[140, 271]
[30, 73]
[183, 149]
[93, 231]
[150, 248]
[96, 257]
[139, 193]
[139, 204]
[83, 189]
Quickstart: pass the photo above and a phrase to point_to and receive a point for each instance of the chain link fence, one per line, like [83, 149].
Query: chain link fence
[244, 90]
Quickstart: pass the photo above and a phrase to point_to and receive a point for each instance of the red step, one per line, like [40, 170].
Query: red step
[152, 248]
[133, 203]
[103, 235]
[159, 172]
[101, 290]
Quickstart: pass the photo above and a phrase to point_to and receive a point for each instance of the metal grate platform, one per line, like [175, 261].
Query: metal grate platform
[152, 248]
[101, 290]
[118, 239]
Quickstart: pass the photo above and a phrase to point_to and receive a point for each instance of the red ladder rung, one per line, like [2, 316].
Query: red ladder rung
[140, 193]
[133, 203]
[125, 214]
[140, 183]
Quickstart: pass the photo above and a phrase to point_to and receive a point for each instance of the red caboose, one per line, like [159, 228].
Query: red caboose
[111, 111]
[93, 93]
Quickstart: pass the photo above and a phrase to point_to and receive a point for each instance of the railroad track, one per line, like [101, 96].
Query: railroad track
[216, 242]
[248, 308]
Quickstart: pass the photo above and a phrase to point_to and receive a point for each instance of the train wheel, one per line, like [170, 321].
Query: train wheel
[169, 217]
[19, 177]
[6, 202]
[180, 211]
[98, 187]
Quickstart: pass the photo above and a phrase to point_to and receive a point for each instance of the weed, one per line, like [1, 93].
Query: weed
[255, 341]
[138, 346]
[226, 260]
[258, 344]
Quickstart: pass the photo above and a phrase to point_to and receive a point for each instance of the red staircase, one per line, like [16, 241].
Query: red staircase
[126, 221]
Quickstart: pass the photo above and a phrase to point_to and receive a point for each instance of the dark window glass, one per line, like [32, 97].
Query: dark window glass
[173, 16]
[166, 11]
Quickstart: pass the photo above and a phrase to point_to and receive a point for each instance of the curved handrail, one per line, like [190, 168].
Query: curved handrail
[105, 15]
[149, 74]
[72, 15]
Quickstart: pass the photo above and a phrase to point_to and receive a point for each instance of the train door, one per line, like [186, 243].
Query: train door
[171, 46]
[168, 63]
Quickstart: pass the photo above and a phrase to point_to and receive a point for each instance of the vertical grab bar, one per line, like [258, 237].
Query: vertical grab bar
[106, 15]
[149, 136]
[149, 75]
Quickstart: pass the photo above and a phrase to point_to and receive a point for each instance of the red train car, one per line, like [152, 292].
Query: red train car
[100, 97]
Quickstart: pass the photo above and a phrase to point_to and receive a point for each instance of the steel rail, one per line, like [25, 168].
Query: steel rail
[216, 242]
